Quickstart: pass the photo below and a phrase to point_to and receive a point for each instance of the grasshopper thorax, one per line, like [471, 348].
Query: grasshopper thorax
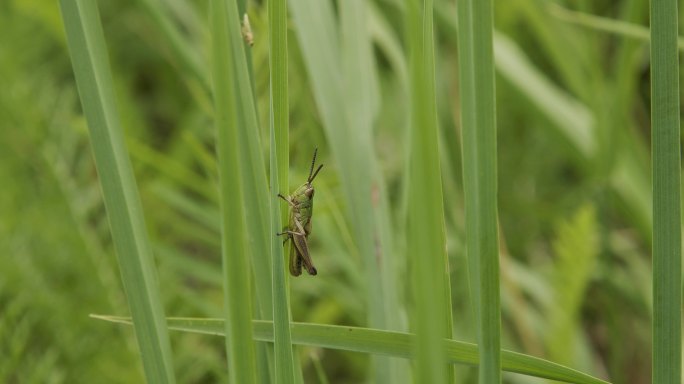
[303, 194]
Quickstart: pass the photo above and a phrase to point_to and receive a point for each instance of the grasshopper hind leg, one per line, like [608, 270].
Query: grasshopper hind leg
[302, 249]
[295, 261]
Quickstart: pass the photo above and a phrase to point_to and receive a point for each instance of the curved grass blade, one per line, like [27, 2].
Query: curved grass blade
[617, 27]
[375, 341]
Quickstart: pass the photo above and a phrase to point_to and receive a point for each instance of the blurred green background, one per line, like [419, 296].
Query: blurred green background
[574, 188]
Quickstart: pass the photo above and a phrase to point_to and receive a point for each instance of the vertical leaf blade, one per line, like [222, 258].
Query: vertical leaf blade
[93, 77]
[476, 78]
[367, 190]
[284, 363]
[253, 175]
[277, 56]
[426, 233]
[236, 276]
[279, 132]
[338, 57]
[665, 144]
[253, 171]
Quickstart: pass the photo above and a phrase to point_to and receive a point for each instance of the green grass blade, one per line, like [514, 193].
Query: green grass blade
[375, 341]
[237, 287]
[254, 182]
[667, 242]
[478, 122]
[371, 219]
[277, 18]
[93, 77]
[277, 56]
[605, 24]
[339, 60]
[431, 315]
[284, 364]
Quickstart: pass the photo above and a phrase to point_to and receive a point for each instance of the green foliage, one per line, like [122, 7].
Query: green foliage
[574, 192]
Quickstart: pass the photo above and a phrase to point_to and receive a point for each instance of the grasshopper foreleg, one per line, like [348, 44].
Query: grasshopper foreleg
[288, 200]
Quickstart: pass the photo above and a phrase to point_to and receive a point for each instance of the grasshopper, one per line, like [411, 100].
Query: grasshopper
[299, 227]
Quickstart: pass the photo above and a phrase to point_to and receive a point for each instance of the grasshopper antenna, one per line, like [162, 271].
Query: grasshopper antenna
[312, 174]
[315, 173]
[313, 162]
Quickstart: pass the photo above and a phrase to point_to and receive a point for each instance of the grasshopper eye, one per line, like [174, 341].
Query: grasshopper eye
[309, 192]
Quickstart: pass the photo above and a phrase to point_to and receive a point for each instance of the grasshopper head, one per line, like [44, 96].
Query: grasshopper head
[309, 190]
[306, 191]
